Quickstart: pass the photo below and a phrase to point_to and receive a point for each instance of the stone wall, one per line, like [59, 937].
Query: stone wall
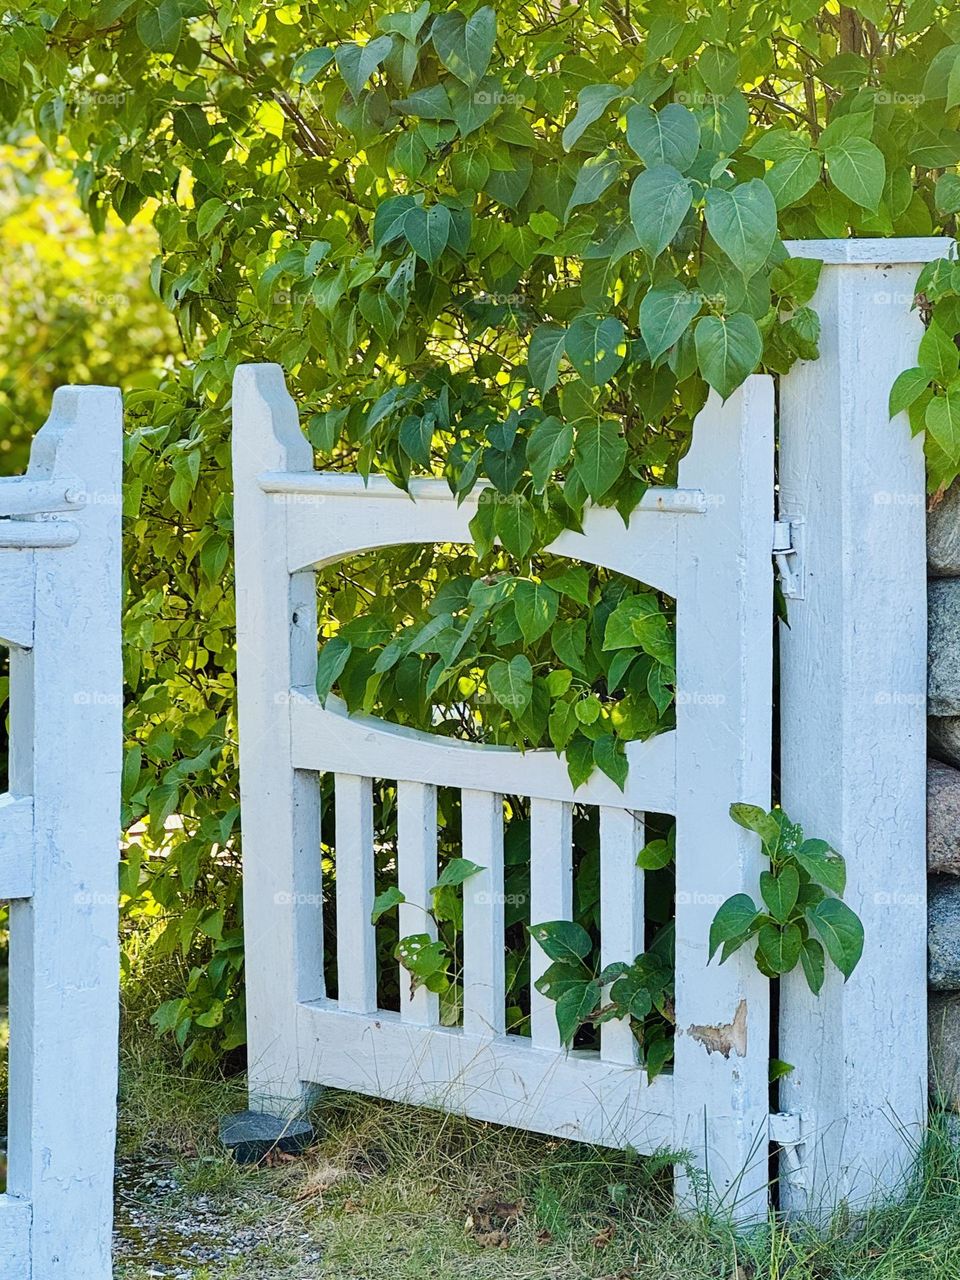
[943, 797]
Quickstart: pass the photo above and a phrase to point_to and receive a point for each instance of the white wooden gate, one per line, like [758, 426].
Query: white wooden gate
[708, 544]
[59, 826]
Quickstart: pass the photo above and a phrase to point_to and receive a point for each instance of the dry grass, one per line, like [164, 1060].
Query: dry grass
[395, 1193]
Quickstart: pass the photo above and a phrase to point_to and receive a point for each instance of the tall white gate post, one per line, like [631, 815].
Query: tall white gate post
[853, 737]
[65, 754]
[276, 651]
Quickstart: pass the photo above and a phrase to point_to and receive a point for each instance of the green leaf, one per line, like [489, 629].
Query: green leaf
[609, 756]
[357, 63]
[465, 46]
[599, 454]
[947, 193]
[513, 525]
[907, 387]
[330, 664]
[455, 872]
[309, 65]
[665, 315]
[743, 222]
[192, 127]
[596, 348]
[840, 931]
[791, 179]
[596, 174]
[778, 1069]
[660, 199]
[548, 449]
[389, 219]
[857, 168]
[728, 350]
[574, 1007]
[655, 855]
[938, 355]
[592, 101]
[620, 630]
[544, 354]
[428, 231]
[779, 891]
[780, 947]
[160, 27]
[733, 920]
[942, 419]
[536, 606]
[822, 864]
[670, 136]
[209, 216]
[562, 940]
[386, 901]
[752, 818]
[511, 683]
[812, 963]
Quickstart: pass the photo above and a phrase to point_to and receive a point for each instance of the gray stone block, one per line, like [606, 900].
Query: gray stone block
[943, 1016]
[943, 647]
[943, 739]
[943, 535]
[943, 933]
[943, 818]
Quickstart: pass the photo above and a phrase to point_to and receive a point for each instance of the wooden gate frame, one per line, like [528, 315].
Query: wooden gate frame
[708, 545]
[59, 832]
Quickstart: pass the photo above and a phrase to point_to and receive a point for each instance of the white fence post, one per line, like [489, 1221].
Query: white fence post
[853, 680]
[65, 753]
[276, 651]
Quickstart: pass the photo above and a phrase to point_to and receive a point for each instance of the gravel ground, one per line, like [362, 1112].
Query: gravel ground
[168, 1231]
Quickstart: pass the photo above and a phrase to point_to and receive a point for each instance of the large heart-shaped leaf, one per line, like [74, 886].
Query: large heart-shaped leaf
[669, 136]
[465, 46]
[857, 168]
[547, 344]
[942, 420]
[599, 454]
[728, 350]
[595, 345]
[536, 607]
[665, 314]
[548, 449]
[357, 63]
[428, 231]
[840, 931]
[511, 683]
[744, 223]
[594, 177]
[660, 199]
[591, 104]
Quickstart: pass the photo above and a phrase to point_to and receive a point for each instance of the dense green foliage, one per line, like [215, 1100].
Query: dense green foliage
[517, 245]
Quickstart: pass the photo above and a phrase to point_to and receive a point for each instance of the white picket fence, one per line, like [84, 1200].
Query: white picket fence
[60, 618]
[852, 748]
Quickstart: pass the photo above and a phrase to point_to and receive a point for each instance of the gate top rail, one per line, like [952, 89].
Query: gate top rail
[340, 484]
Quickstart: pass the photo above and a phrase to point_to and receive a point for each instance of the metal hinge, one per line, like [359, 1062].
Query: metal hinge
[785, 1128]
[787, 552]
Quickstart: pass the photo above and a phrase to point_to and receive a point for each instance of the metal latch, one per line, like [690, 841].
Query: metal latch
[787, 537]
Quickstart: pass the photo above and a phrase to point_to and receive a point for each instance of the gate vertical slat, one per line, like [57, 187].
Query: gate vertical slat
[483, 914]
[621, 915]
[356, 944]
[551, 898]
[724, 661]
[416, 876]
[853, 735]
